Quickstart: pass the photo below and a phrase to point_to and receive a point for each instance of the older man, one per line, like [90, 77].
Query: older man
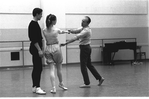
[84, 35]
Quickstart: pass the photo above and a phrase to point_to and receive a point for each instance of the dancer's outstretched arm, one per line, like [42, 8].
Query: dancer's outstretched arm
[76, 31]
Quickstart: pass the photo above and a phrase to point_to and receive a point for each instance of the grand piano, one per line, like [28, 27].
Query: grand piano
[114, 47]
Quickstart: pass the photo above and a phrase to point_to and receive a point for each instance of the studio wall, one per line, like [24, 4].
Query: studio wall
[110, 19]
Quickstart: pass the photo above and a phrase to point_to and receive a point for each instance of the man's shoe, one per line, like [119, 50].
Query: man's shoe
[63, 87]
[40, 91]
[101, 81]
[34, 89]
[85, 86]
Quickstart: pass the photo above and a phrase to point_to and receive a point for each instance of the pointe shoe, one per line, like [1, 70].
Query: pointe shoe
[63, 87]
[53, 91]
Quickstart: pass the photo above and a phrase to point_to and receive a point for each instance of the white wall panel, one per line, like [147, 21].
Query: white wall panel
[14, 34]
[106, 21]
[18, 6]
[56, 7]
[107, 6]
[5, 59]
[14, 21]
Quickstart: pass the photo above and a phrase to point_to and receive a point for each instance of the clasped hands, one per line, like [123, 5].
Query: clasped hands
[69, 31]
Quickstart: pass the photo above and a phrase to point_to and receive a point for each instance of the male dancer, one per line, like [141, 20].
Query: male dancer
[34, 33]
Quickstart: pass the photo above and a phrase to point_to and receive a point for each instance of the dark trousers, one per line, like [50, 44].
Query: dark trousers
[37, 69]
[85, 62]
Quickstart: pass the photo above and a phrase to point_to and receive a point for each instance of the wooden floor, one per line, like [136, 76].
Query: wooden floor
[121, 80]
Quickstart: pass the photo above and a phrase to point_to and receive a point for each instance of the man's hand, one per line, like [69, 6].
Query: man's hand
[40, 53]
[63, 44]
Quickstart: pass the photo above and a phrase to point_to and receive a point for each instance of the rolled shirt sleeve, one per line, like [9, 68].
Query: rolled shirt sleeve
[84, 36]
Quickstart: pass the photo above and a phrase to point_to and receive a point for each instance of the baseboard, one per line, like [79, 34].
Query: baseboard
[77, 63]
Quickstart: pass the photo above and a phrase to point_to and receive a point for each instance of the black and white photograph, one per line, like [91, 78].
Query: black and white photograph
[74, 48]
